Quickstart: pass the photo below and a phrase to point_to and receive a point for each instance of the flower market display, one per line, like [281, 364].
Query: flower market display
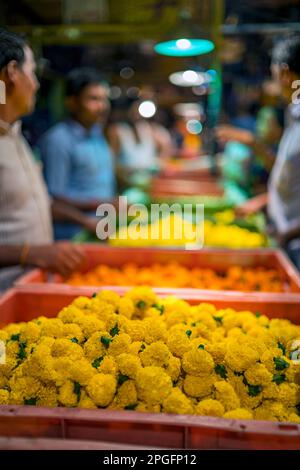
[174, 275]
[140, 352]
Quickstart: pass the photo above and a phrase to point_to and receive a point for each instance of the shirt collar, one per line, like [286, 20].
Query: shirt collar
[10, 129]
[81, 132]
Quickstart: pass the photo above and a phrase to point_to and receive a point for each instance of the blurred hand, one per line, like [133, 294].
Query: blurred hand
[252, 206]
[248, 208]
[61, 257]
[228, 133]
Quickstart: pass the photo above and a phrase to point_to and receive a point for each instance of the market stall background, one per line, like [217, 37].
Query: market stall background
[118, 37]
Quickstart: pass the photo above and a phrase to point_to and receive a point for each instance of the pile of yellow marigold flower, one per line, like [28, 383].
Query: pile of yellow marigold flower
[140, 352]
[176, 231]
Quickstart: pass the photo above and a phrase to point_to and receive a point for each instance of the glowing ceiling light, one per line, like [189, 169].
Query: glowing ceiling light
[147, 109]
[194, 126]
[189, 78]
[183, 44]
[184, 47]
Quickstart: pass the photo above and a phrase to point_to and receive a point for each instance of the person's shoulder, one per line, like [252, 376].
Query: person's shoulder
[58, 131]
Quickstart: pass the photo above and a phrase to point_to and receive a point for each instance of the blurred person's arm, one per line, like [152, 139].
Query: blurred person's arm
[62, 257]
[228, 133]
[253, 205]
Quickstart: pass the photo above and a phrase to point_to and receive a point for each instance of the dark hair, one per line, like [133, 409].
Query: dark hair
[80, 78]
[287, 52]
[11, 48]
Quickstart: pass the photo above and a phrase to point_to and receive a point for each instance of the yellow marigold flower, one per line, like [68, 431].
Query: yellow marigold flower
[128, 364]
[64, 347]
[108, 366]
[152, 313]
[142, 298]
[126, 307]
[199, 387]
[67, 395]
[94, 347]
[52, 327]
[82, 371]
[71, 331]
[178, 343]
[48, 396]
[285, 393]
[40, 364]
[145, 380]
[142, 407]
[24, 389]
[61, 368]
[271, 410]
[110, 297]
[13, 328]
[197, 362]
[226, 395]
[268, 356]
[263, 320]
[231, 320]
[4, 336]
[258, 374]
[207, 308]
[7, 368]
[250, 395]
[238, 413]
[4, 397]
[136, 347]
[155, 354]
[3, 381]
[240, 358]
[218, 335]
[119, 344]
[90, 324]
[136, 329]
[102, 388]
[210, 407]
[177, 402]
[101, 309]
[217, 351]
[206, 318]
[70, 314]
[155, 330]
[176, 312]
[30, 332]
[126, 394]
[148, 408]
[174, 368]
[81, 302]
[236, 333]
[86, 402]
[263, 335]
[294, 418]
[292, 373]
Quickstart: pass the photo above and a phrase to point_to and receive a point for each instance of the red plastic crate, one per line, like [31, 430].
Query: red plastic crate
[162, 186]
[217, 259]
[129, 428]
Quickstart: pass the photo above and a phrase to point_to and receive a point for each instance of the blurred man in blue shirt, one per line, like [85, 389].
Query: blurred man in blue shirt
[77, 161]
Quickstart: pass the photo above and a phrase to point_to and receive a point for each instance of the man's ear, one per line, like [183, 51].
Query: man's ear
[12, 70]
